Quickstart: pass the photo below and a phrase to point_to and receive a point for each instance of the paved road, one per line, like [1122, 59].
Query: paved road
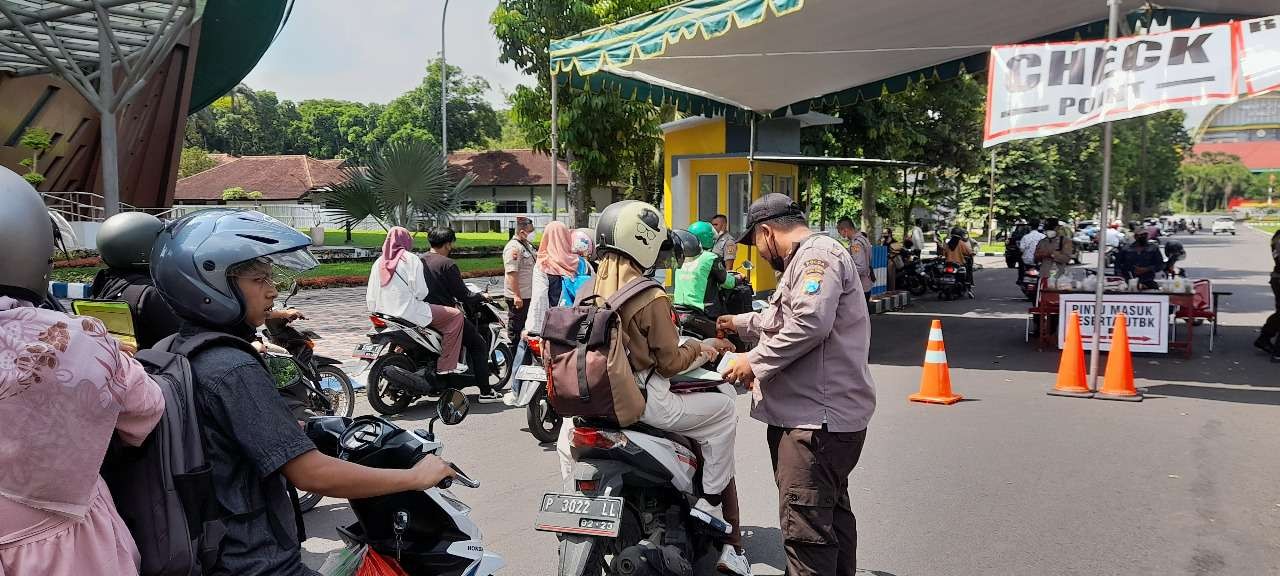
[1010, 481]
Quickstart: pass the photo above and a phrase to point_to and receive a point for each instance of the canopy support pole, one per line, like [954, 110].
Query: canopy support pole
[991, 201]
[1113, 20]
[555, 105]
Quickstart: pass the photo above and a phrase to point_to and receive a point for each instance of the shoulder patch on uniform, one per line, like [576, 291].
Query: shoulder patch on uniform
[812, 279]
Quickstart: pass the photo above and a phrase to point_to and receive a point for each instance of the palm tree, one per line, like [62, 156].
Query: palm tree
[406, 184]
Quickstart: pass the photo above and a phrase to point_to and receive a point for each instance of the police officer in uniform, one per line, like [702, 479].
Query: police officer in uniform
[811, 382]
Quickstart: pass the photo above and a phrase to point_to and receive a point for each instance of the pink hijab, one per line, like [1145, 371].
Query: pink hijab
[398, 241]
[555, 252]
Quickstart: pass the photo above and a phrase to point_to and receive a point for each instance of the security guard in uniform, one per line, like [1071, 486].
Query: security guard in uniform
[812, 383]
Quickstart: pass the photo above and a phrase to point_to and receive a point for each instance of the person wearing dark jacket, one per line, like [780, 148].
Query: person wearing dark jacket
[124, 241]
[446, 288]
[1267, 340]
[216, 269]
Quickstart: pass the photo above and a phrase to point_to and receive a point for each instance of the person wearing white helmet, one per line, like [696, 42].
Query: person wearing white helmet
[630, 236]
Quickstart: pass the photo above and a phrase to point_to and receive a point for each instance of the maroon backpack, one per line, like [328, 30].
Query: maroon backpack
[588, 372]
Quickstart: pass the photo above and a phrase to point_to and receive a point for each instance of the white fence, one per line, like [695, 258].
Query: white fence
[305, 216]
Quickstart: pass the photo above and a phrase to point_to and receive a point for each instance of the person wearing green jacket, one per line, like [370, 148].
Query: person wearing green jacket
[700, 279]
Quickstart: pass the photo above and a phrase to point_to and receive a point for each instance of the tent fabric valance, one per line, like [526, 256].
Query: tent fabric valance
[773, 57]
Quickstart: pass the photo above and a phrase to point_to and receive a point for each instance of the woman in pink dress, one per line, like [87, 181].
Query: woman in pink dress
[65, 387]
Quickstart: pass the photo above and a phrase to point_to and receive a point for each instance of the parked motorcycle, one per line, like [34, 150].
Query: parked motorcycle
[428, 532]
[403, 357]
[913, 276]
[626, 508]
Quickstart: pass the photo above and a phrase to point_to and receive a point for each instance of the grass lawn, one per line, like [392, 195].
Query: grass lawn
[371, 239]
[85, 274]
[362, 268]
[1269, 228]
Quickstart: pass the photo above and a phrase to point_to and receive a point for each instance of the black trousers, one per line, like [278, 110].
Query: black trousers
[1272, 327]
[477, 355]
[811, 468]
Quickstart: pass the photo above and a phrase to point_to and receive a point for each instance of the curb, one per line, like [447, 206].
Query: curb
[889, 302]
[70, 290]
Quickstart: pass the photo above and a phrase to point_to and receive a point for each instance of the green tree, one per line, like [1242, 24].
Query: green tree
[406, 184]
[415, 115]
[37, 140]
[602, 135]
[194, 161]
[335, 128]
[510, 134]
[1213, 178]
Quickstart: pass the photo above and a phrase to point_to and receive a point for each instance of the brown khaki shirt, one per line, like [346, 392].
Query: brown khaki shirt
[650, 336]
[811, 362]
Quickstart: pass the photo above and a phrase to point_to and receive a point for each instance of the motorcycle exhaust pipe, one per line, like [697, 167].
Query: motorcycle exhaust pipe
[407, 380]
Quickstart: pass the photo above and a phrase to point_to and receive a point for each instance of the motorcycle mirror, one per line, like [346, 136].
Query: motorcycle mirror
[452, 407]
[293, 291]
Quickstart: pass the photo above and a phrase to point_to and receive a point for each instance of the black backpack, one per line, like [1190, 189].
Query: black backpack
[163, 489]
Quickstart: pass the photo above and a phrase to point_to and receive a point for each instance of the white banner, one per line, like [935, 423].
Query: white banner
[1147, 319]
[1260, 54]
[1043, 89]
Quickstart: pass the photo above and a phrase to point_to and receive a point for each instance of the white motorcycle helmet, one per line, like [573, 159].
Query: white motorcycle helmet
[633, 228]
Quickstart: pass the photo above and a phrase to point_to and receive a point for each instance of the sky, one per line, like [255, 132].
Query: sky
[375, 50]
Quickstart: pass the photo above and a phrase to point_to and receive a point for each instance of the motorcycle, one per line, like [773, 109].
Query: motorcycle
[1030, 283]
[403, 357]
[427, 532]
[952, 281]
[626, 508]
[544, 422]
[912, 276]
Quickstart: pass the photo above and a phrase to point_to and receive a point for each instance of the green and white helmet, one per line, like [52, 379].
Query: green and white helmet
[633, 228]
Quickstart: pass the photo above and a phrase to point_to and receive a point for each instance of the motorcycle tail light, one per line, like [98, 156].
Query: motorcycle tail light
[592, 438]
[951, 269]
[377, 322]
[588, 485]
[535, 345]
[311, 344]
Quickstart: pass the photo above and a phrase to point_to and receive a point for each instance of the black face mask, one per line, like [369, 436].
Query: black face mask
[776, 261]
[1140, 241]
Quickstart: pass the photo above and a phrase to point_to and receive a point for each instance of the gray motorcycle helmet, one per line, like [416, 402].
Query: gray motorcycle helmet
[27, 236]
[192, 256]
[685, 246]
[125, 240]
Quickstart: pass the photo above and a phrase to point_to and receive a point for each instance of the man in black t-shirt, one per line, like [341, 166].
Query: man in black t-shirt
[446, 288]
[1267, 339]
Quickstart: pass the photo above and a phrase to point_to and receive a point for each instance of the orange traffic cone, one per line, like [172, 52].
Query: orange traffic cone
[1118, 382]
[1071, 376]
[935, 383]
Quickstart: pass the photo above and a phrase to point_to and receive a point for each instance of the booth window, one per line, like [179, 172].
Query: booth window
[784, 186]
[467, 206]
[708, 196]
[766, 184]
[739, 200]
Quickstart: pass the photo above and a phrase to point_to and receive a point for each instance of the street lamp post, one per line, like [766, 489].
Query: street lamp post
[444, 88]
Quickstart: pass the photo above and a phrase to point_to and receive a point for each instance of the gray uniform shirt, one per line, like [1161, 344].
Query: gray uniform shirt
[811, 362]
[860, 251]
[726, 247]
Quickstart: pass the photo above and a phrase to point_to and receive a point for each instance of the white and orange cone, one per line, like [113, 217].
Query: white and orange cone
[935, 383]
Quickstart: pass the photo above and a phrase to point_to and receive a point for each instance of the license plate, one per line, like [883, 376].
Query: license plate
[573, 514]
[531, 372]
[368, 351]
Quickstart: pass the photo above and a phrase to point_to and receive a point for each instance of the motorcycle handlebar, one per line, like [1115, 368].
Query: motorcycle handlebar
[461, 478]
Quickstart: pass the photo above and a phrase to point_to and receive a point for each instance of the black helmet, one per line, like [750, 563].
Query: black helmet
[957, 232]
[1174, 251]
[125, 240]
[685, 246]
[27, 234]
[192, 257]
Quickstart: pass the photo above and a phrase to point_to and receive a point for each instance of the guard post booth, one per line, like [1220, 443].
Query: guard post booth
[712, 168]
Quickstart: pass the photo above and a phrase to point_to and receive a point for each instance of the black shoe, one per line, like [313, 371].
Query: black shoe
[1263, 343]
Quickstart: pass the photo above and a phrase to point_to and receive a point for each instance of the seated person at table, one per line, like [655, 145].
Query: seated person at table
[1140, 260]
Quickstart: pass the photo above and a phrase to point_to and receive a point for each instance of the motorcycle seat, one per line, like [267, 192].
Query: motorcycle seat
[403, 322]
[611, 426]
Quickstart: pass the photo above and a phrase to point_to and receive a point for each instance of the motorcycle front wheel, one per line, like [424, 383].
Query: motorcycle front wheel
[308, 500]
[337, 387]
[544, 422]
[383, 397]
[500, 366]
